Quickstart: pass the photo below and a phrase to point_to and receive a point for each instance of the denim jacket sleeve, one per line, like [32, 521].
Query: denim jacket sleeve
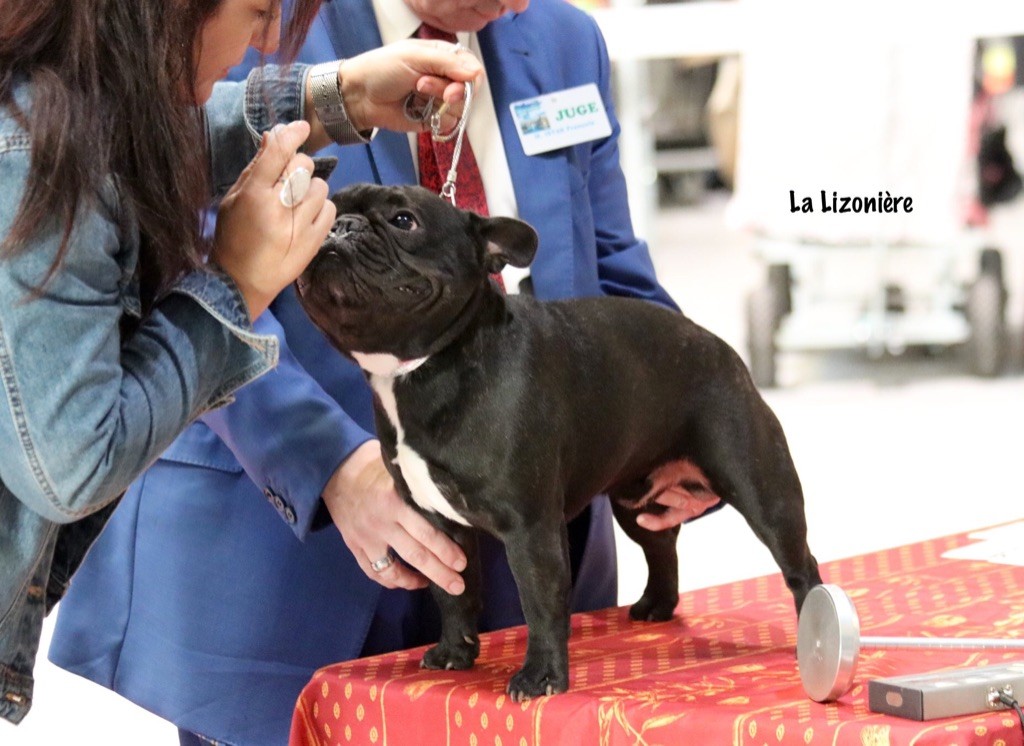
[239, 112]
[86, 410]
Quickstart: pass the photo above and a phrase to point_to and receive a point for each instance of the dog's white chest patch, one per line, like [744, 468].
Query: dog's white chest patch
[382, 364]
[424, 491]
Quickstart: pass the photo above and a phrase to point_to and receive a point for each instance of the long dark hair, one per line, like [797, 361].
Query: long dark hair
[108, 79]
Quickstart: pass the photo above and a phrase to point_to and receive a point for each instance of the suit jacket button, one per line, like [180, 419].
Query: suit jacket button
[289, 514]
[275, 499]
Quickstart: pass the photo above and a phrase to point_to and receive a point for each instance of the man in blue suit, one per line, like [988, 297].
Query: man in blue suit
[198, 603]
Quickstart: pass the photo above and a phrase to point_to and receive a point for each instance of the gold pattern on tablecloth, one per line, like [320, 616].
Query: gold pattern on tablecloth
[417, 689]
[644, 637]
[613, 719]
[945, 621]
[727, 656]
[738, 700]
[875, 735]
[746, 668]
[1014, 621]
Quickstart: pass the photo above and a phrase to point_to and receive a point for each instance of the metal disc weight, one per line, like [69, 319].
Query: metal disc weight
[827, 643]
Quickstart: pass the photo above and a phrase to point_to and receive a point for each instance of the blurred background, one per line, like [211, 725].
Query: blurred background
[794, 109]
[889, 344]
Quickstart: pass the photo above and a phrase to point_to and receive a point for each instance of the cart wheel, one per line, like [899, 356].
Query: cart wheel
[990, 262]
[763, 305]
[986, 347]
[780, 278]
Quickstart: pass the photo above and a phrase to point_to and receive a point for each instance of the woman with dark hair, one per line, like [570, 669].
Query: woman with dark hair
[119, 322]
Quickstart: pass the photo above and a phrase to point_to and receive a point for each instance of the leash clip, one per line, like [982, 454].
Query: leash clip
[418, 110]
[448, 188]
[458, 132]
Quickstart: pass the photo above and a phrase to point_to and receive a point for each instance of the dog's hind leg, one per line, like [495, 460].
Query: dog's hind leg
[785, 535]
[753, 471]
[661, 595]
[786, 539]
[460, 639]
[538, 554]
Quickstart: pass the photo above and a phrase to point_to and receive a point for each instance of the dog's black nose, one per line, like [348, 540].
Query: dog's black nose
[348, 224]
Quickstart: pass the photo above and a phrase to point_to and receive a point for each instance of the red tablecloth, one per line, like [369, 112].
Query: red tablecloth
[722, 672]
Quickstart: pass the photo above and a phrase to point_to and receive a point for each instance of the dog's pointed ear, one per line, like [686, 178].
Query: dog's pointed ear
[506, 241]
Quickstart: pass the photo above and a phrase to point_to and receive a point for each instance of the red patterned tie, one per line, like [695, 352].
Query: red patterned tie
[435, 158]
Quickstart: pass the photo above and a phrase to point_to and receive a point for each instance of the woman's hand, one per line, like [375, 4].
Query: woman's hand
[375, 84]
[373, 519]
[260, 242]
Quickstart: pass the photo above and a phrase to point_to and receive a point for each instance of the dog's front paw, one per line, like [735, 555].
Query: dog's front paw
[653, 608]
[538, 680]
[447, 656]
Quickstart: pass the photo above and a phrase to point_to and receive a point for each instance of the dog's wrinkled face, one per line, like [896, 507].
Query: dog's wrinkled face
[402, 266]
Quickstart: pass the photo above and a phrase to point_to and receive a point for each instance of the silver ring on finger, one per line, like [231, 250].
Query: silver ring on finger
[383, 563]
[294, 186]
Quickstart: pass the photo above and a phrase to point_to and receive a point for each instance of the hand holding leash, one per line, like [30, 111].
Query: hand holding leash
[376, 84]
[424, 111]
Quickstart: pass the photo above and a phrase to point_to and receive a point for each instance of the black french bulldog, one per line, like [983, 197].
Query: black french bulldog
[507, 414]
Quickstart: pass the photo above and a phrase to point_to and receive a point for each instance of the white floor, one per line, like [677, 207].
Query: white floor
[889, 451]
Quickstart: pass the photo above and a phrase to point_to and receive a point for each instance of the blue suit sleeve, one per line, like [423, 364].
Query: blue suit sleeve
[624, 261]
[288, 435]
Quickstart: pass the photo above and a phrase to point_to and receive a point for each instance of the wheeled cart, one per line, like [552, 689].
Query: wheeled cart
[844, 112]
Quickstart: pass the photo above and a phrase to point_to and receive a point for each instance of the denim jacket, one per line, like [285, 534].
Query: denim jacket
[84, 411]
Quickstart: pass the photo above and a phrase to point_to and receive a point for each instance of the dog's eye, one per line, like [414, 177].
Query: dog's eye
[403, 220]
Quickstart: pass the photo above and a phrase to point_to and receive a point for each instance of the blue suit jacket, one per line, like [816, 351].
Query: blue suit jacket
[198, 602]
